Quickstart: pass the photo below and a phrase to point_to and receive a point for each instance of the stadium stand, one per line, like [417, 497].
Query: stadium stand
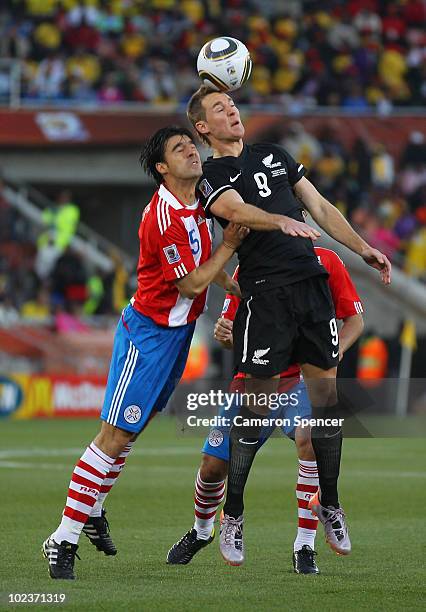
[358, 55]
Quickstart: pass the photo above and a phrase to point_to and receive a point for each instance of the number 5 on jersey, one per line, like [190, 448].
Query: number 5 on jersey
[194, 242]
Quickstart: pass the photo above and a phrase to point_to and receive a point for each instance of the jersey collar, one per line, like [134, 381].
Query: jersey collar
[166, 195]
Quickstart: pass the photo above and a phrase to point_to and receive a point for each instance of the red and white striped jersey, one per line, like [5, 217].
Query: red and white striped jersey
[174, 240]
[343, 291]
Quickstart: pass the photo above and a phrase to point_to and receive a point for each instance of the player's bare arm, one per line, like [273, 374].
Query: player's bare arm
[349, 333]
[231, 206]
[334, 223]
[199, 279]
[224, 280]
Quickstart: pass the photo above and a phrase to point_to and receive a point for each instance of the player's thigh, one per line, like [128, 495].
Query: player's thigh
[264, 334]
[318, 339]
[321, 384]
[144, 357]
[296, 408]
[216, 444]
[179, 358]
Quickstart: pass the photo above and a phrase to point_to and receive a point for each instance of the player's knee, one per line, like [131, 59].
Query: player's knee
[304, 447]
[112, 440]
[213, 469]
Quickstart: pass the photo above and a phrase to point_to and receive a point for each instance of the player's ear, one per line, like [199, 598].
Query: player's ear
[162, 168]
[202, 128]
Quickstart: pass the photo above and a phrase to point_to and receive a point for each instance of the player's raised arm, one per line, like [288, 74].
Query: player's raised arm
[200, 278]
[334, 223]
[231, 206]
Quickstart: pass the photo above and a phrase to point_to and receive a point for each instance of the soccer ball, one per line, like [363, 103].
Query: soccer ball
[224, 64]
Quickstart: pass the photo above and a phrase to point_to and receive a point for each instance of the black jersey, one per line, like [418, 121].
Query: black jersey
[264, 176]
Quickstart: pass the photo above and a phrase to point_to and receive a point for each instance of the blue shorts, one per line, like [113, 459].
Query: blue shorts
[217, 442]
[147, 363]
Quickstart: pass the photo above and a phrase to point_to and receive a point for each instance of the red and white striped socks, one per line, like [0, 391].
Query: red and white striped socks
[86, 482]
[111, 479]
[307, 486]
[208, 497]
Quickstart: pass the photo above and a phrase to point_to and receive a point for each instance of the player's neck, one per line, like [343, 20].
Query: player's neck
[225, 148]
[183, 190]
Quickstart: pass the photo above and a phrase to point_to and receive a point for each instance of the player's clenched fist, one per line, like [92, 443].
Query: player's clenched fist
[223, 330]
[234, 234]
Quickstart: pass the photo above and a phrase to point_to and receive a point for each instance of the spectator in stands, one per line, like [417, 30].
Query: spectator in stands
[38, 310]
[69, 279]
[357, 54]
[61, 221]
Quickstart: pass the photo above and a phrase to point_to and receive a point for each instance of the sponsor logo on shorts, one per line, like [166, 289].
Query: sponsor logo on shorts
[132, 414]
[172, 253]
[335, 354]
[215, 437]
[260, 353]
[205, 188]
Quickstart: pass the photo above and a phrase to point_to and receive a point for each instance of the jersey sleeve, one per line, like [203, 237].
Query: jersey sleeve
[295, 170]
[213, 183]
[345, 296]
[175, 251]
[231, 302]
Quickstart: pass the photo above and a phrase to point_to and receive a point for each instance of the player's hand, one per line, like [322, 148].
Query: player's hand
[379, 261]
[292, 227]
[233, 288]
[223, 330]
[234, 234]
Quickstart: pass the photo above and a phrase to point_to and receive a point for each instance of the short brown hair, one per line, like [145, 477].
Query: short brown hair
[195, 110]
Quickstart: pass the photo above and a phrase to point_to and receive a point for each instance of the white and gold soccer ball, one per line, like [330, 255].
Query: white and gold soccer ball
[224, 64]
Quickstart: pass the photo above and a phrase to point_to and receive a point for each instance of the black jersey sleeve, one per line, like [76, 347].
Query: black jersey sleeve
[295, 169]
[213, 183]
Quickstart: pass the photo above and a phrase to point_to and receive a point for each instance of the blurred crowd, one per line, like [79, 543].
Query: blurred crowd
[357, 54]
[44, 280]
[383, 198]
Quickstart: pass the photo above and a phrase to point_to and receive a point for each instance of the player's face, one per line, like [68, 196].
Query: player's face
[222, 118]
[181, 158]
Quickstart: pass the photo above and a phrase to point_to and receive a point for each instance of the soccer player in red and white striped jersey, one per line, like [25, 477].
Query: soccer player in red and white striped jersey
[153, 336]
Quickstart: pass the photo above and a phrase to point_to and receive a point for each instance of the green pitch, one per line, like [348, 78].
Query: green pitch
[382, 489]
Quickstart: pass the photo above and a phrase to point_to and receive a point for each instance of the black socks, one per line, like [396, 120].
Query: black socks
[243, 446]
[327, 443]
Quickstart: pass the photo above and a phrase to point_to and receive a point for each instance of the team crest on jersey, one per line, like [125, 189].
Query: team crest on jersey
[172, 253]
[226, 305]
[215, 437]
[132, 414]
[267, 161]
[205, 188]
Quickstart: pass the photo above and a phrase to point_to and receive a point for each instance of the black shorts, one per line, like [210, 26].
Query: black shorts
[291, 324]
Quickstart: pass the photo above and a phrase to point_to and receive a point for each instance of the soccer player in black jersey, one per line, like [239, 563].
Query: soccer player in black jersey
[286, 314]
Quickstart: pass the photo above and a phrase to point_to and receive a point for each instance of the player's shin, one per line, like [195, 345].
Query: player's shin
[207, 498]
[86, 481]
[327, 444]
[306, 487]
[243, 446]
[111, 479]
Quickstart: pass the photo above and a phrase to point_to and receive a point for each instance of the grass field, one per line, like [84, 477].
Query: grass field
[382, 487]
